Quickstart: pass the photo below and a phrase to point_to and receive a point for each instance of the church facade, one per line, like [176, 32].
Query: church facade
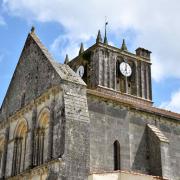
[89, 118]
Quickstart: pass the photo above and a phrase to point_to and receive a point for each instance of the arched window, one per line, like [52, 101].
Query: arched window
[41, 138]
[20, 136]
[117, 158]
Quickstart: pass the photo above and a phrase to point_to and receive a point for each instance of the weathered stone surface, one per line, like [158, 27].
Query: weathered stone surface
[84, 122]
[46, 86]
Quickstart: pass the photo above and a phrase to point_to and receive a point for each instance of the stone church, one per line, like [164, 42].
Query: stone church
[91, 118]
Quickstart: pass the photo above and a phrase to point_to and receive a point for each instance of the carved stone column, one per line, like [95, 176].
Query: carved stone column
[137, 79]
[142, 80]
[109, 79]
[105, 67]
[147, 83]
[114, 75]
[50, 135]
[150, 85]
[31, 140]
[100, 72]
[5, 152]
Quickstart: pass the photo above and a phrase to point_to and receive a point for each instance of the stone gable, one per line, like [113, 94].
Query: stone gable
[35, 72]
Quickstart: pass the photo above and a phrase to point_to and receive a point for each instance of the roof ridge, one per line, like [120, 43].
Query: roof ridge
[66, 72]
[41, 46]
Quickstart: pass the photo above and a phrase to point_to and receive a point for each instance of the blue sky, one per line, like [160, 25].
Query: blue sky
[63, 25]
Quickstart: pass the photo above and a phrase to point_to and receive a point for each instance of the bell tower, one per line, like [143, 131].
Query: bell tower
[103, 66]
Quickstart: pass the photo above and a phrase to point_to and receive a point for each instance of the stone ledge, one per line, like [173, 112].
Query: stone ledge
[134, 105]
[39, 100]
[37, 170]
[124, 96]
[122, 175]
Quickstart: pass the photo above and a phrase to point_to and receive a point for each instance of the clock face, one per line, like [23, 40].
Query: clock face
[125, 69]
[80, 71]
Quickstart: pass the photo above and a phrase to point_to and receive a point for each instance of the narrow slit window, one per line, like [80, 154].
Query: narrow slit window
[117, 159]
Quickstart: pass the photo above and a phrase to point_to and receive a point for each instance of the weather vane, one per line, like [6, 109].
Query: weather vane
[105, 36]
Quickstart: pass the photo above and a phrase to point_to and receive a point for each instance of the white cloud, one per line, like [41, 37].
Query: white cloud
[173, 104]
[66, 44]
[157, 69]
[154, 21]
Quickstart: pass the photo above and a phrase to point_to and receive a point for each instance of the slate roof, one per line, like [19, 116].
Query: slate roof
[158, 133]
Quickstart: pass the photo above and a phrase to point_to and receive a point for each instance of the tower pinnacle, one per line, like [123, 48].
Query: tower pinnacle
[81, 50]
[99, 38]
[66, 59]
[124, 47]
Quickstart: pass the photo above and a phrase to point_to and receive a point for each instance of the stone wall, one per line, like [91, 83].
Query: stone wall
[108, 123]
[66, 153]
[76, 155]
[34, 74]
[42, 86]
[55, 136]
[112, 121]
